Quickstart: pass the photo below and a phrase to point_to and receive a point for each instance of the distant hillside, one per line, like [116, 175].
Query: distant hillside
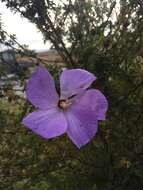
[50, 56]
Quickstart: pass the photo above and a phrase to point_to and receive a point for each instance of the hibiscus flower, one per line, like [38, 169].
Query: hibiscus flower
[75, 111]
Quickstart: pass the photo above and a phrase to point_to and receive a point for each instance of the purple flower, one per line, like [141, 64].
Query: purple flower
[76, 112]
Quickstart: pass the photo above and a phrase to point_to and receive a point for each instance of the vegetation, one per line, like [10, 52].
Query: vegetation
[106, 38]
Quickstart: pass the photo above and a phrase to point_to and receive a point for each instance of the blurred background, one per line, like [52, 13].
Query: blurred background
[104, 37]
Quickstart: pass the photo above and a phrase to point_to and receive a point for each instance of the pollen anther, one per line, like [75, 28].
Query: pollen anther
[64, 104]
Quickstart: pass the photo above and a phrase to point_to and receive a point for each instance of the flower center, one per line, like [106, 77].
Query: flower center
[64, 104]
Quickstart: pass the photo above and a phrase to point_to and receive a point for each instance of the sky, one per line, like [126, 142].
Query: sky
[25, 31]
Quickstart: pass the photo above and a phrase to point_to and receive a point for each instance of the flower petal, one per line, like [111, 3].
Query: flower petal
[41, 90]
[74, 81]
[97, 101]
[82, 124]
[48, 124]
